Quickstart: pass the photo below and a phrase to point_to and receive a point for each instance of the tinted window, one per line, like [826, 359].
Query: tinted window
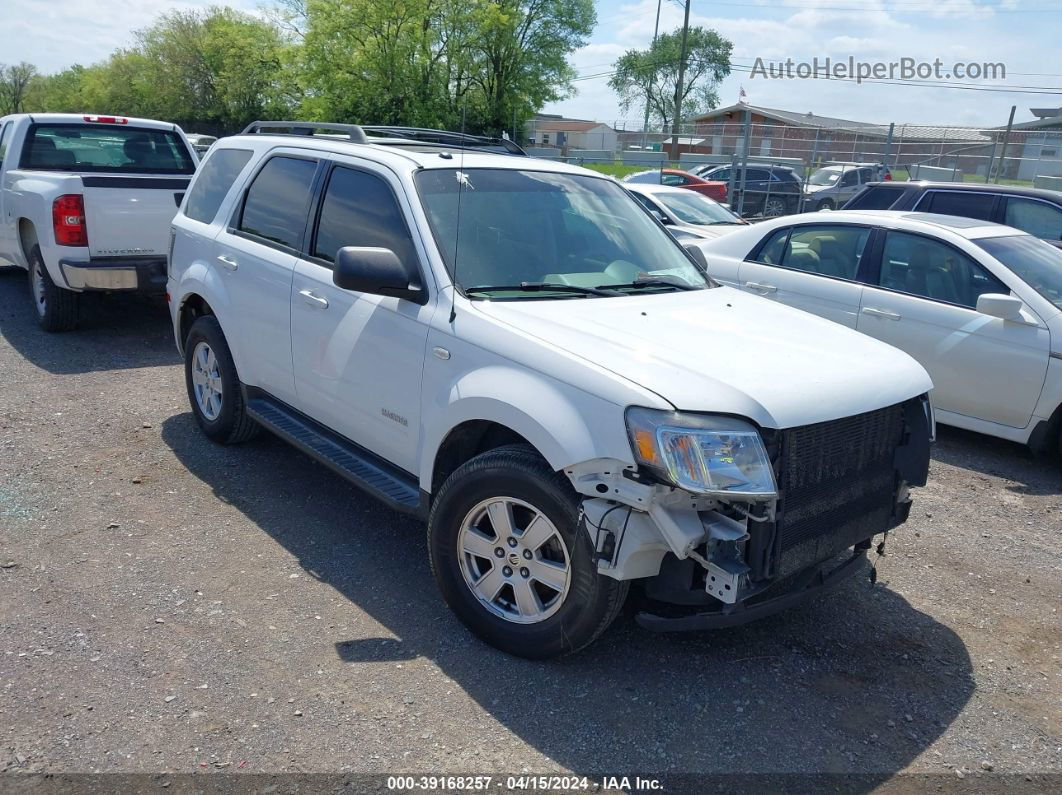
[673, 179]
[759, 175]
[826, 250]
[1035, 217]
[213, 181]
[926, 267]
[850, 178]
[359, 209]
[722, 175]
[876, 197]
[105, 148]
[1037, 264]
[276, 203]
[772, 251]
[969, 204]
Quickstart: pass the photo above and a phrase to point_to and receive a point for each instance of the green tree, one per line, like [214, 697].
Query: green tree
[651, 76]
[15, 84]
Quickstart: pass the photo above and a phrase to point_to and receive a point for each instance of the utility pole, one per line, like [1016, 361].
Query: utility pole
[1006, 140]
[678, 87]
[645, 123]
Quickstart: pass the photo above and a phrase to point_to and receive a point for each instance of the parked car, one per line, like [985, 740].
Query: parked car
[679, 209]
[831, 186]
[201, 143]
[513, 350]
[769, 190]
[1032, 210]
[977, 303]
[680, 179]
[86, 203]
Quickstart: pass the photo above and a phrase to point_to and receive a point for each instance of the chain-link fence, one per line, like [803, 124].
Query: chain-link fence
[773, 168]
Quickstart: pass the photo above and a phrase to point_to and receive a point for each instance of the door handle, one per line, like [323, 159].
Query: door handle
[230, 264]
[313, 299]
[869, 310]
[763, 288]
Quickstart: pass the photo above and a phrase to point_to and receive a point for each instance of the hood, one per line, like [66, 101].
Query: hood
[817, 188]
[724, 351]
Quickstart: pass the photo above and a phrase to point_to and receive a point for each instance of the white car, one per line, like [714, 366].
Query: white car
[86, 203]
[514, 351]
[680, 210]
[978, 304]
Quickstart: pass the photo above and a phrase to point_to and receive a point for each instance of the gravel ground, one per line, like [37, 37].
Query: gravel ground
[170, 605]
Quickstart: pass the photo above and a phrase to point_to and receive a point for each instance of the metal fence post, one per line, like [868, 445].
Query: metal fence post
[888, 147]
[745, 160]
[1006, 140]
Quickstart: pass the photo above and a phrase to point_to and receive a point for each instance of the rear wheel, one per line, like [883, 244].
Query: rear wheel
[213, 384]
[825, 204]
[511, 559]
[56, 308]
[774, 207]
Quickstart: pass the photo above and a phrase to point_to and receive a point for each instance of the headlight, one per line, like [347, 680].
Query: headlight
[702, 453]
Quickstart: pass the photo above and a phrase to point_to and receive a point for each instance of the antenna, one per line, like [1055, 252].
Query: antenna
[461, 178]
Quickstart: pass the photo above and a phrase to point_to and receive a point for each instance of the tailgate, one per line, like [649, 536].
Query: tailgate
[130, 215]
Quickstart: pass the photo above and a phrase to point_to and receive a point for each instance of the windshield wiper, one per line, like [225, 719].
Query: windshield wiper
[540, 287]
[642, 282]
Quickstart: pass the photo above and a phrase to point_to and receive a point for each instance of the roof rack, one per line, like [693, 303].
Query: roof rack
[353, 131]
[444, 137]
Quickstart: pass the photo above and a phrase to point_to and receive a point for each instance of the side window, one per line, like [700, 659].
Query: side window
[213, 181]
[968, 204]
[759, 175]
[828, 250]
[3, 141]
[771, 253]
[878, 197]
[645, 202]
[1035, 217]
[277, 201]
[359, 209]
[673, 179]
[849, 179]
[722, 175]
[928, 268]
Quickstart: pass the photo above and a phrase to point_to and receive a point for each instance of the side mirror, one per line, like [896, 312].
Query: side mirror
[661, 217]
[377, 271]
[694, 250]
[998, 305]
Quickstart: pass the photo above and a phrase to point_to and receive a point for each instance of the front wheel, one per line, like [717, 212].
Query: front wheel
[56, 308]
[511, 559]
[825, 204]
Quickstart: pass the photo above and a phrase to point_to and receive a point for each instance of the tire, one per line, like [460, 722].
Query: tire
[57, 309]
[825, 204]
[213, 384]
[775, 207]
[568, 617]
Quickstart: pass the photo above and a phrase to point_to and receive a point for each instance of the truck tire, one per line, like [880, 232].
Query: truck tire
[213, 384]
[512, 559]
[825, 204]
[56, 308]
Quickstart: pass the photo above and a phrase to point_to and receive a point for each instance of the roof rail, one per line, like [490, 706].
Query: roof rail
[355, 133]
[444, 137]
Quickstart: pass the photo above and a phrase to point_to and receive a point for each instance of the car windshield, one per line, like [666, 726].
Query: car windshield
[528, 229]
[824, 177]
[105, 149]
[1035, 262]
[692, 208]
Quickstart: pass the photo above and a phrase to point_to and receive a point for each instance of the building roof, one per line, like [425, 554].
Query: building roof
[566, 125]
[808, 119]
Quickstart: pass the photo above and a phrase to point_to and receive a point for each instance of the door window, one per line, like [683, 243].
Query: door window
[850, 179]
[967, 204]
[1038, 218]
[928, 268]
[359, 209]
[673, 179]
[3, 141]
[277, 201]
[213, 181]
[774, 248]
[828, 250]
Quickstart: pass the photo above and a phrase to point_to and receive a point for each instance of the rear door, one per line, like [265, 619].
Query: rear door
[814, 267]
[964, 203]
[922, 300]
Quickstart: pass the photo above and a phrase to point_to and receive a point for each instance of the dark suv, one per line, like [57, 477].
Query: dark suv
[1032, 210]
[769, 190]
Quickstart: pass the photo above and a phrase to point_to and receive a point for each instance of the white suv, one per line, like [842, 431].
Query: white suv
[514, 350]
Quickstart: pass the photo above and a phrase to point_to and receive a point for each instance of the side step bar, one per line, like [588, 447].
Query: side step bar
[398, 489]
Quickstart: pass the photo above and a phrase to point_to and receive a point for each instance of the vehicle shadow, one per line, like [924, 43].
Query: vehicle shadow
[1032, 474]
[859, 682]
[115, 332]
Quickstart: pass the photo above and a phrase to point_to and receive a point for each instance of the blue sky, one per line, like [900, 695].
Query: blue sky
[1015, 32]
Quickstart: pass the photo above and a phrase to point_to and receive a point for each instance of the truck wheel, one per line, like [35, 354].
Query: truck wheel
[56, 307]
[825, 204]
[213, 384]
[774, 207]
[511, 558]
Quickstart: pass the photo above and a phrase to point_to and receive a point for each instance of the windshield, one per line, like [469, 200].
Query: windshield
[105, 149]
[533, 228]
[824, 177]
[1035, 262]
[692, 208]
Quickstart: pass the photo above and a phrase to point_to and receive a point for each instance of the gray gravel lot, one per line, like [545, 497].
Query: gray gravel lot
[167, 604]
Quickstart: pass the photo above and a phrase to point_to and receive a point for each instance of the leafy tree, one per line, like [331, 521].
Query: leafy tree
[15, 83]
[651, 76]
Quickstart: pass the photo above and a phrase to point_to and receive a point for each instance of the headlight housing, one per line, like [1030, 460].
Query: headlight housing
[702, 453]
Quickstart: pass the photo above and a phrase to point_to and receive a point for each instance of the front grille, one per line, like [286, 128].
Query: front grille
[837, 483]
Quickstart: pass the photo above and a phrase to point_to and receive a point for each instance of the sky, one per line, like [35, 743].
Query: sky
[1022, 34]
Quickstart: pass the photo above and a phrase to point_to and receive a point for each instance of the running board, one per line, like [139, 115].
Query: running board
[366, 471]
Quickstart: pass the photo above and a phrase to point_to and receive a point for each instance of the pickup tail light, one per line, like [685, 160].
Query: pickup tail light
[106, 119]
[888, 176]
[68, 220]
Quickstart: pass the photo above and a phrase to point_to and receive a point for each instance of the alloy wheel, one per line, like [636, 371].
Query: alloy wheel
[206, 381]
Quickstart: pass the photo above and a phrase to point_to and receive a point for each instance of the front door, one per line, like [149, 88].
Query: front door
[359, 358]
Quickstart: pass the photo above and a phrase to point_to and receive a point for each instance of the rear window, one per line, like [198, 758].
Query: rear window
[212, 183]
[105, 149]
[876, 197]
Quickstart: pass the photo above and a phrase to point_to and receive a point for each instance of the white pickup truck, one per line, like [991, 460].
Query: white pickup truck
[86, 204]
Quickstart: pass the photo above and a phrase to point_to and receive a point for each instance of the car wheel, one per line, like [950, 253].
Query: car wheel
[213, 384]
[774, 207]
[57, 308]
[825, 204]
[511, 558]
